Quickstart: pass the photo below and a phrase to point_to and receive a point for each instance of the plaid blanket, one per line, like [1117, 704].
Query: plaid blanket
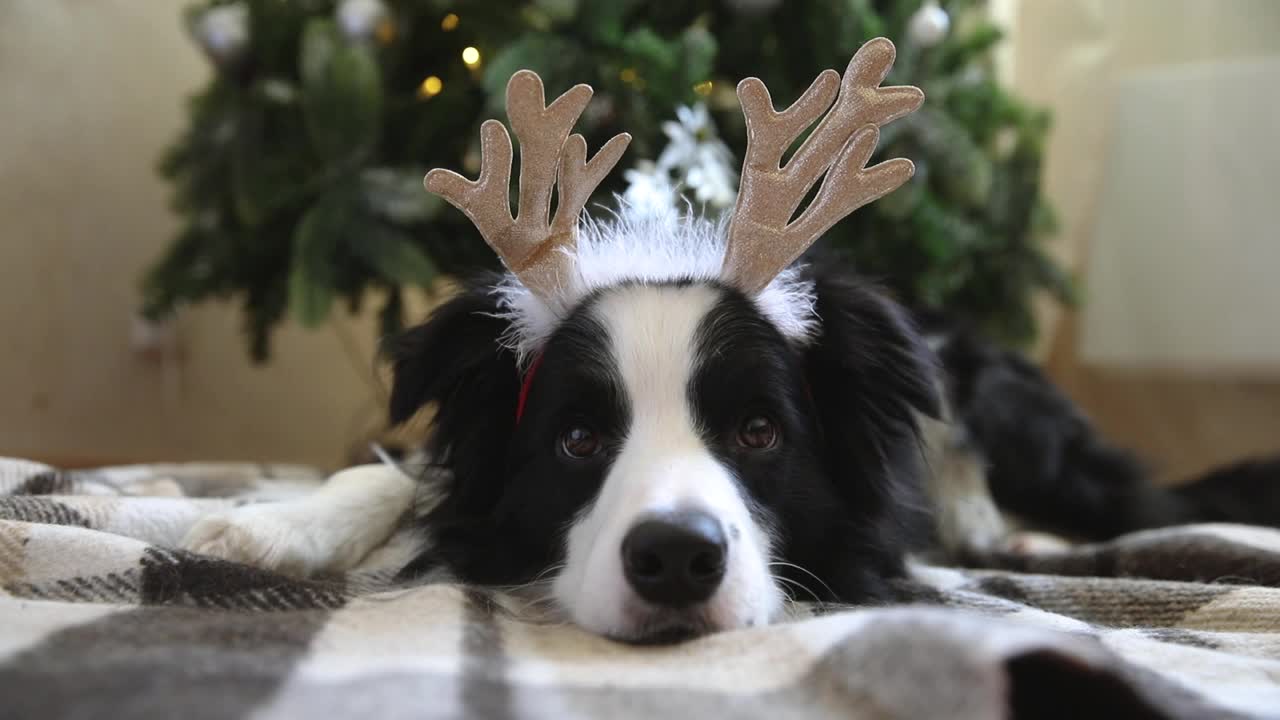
[100, 616]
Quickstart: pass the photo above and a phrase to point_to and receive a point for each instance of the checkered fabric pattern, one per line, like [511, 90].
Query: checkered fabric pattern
[100, 616]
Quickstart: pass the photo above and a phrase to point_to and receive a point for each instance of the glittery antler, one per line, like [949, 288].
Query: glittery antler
[529, 243]
[763, 239]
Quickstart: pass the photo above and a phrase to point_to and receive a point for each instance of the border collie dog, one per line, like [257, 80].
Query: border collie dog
[681, 460]
[670, 424]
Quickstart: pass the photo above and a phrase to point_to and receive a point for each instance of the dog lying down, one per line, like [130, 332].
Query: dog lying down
[670, 426]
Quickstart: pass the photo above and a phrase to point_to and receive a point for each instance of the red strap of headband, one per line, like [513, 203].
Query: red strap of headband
[525, 385]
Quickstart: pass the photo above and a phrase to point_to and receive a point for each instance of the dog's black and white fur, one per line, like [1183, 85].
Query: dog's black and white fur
[687, 457]
[692, 401]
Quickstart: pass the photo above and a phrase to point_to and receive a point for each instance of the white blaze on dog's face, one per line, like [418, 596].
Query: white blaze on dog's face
[670, 542]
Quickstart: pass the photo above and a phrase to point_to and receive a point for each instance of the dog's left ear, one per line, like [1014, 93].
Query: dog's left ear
[457, 361]
[870, 370]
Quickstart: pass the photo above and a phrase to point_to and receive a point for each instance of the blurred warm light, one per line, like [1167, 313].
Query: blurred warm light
[449, 23]
[629, 76]
[385, 32]
[471, 56]
[704, 88]
[430, 87]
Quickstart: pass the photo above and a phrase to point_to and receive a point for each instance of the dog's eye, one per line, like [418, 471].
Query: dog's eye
[758, 433]
[579, 442]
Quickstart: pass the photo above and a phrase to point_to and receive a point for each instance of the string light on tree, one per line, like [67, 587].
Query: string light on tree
[449, 22]
[928, 25]
[386, 32]
[430, 87]
[632, 78]
[471, 57]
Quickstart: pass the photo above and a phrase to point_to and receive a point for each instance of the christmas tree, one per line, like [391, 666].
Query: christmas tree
[300, 174]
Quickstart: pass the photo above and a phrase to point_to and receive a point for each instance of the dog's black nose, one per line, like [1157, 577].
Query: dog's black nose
[676, 559]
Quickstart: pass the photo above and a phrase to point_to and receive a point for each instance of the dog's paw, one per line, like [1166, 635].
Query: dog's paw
[270, 536]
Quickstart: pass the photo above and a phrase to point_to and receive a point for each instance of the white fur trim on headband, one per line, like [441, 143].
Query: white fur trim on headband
[644, 246]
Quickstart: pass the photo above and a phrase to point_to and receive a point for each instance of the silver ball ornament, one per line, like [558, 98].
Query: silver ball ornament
[360, 19]
[222, 32]
[928, 25]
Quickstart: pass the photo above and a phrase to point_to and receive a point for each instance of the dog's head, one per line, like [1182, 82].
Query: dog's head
[671, 462]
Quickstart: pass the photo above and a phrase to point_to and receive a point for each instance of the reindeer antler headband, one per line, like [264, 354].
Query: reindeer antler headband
[528, 243]
[762, 239]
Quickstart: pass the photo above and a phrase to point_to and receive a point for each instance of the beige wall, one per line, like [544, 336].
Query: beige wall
[91, 92]
[1070, 55]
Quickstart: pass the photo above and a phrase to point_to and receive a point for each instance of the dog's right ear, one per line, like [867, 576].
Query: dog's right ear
[457, 361]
